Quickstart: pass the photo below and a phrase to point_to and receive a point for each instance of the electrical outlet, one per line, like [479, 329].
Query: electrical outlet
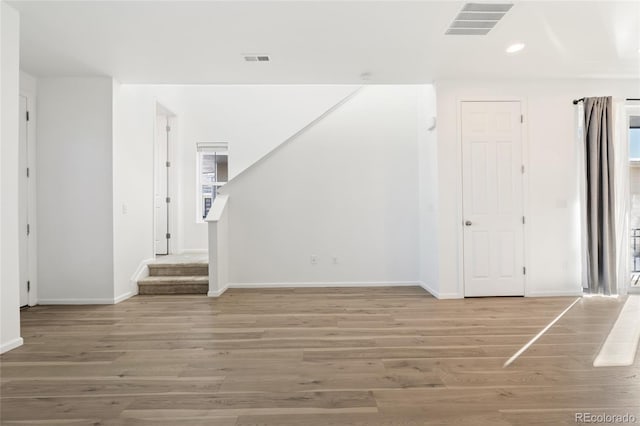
[314, 259]
[125, 209]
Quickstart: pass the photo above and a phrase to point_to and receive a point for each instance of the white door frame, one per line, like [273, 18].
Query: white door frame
[525, 181]
[629, 110]
[32, 251]
[172, 173]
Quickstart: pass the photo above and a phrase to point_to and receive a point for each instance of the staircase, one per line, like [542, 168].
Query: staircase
[175, 278]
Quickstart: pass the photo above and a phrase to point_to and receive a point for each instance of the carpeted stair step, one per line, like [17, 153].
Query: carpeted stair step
[178, 269]
[174, 285]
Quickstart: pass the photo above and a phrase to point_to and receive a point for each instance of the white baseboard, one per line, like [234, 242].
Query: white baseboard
[194, 251]
[124, 296]
[76, 301]
[633, 290]
[437, 294]
[11, 345]
[217, 293]
[327, 284]
[142, 271]
[563, 293]
[430, 289]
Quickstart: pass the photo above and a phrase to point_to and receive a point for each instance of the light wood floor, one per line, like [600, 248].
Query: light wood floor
[285, 357]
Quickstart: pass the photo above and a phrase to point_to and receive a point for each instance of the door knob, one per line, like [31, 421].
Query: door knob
[468, 223]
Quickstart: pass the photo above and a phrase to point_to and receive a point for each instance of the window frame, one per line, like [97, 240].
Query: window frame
[207, 148]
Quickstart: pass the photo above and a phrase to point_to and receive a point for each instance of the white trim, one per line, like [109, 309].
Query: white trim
[429, 289]
[562, 293]
[76, 302]
[174, 191]
[199, 183]
[194, 251]
[222, 147]
[327, 284]
[142, 271]
[30, 94]
[440, 296]
[293, 137]
[524, 139]
[445, 296]
[124, 296]
[217, 293]
[11, 345]
[219, 204]
[460, 199]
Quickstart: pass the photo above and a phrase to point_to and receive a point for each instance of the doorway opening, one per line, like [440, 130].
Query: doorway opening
[164, 189]
[634, 197]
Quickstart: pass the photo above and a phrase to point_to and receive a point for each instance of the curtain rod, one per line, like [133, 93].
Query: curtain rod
[575, 101]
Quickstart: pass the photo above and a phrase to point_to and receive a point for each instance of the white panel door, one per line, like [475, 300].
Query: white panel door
[23, 208]
[161, 186]
[492, 199]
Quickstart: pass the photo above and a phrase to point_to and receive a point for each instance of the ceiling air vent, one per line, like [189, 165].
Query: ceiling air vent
[257, 58]
[478, 18]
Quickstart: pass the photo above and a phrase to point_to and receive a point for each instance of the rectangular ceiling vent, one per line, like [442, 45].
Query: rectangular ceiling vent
[478, 18]
[257, 58]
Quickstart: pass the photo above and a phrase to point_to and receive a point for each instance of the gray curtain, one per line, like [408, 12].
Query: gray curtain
[600, 203]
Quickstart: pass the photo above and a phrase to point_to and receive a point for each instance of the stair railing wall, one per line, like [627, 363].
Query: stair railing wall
[218, 224]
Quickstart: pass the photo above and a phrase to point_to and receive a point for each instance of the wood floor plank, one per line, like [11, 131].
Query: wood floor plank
[313, 356]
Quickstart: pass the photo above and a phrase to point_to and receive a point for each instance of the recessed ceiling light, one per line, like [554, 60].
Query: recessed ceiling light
[515, 47]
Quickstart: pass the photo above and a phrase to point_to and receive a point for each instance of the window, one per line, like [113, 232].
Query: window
[634, 144]
[213, 172]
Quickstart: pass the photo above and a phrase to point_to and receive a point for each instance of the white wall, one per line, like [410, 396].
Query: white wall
[428, 187]
[9, 267]
[552, 239]
[134, 124]
[75, 190]
[347, 188]
[252, 119]
[218, 224]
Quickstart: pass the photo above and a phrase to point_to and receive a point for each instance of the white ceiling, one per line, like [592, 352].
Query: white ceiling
[323, 41]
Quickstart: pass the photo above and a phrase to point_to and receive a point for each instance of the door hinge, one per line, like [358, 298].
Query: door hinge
[27, 172]
[524, 270]
[522, 169]
[168, 128]
[28, 229]
[168, 164]
[523, 220]
[27, 115]
[522, 118]
[168, 235]
[168, 199]
[28, 286]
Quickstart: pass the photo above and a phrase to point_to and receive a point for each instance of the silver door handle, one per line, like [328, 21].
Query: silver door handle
[468, 223]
